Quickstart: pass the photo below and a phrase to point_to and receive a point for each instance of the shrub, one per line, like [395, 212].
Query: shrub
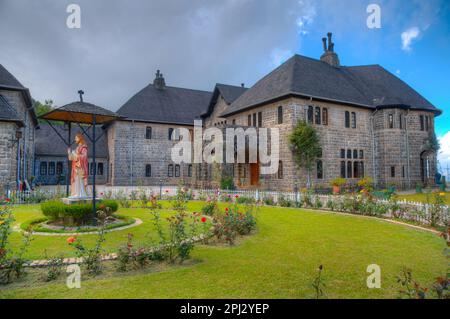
[210, 208]
[366, 183]
[76, 213]
[233, 223]
[227, 183]
[269, 201]
[245, 200]
[338, 182]
[284, 202]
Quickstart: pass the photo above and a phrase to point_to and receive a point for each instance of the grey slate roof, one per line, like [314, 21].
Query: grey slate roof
[367, 86]
[84, 107]
[229, 93]
[169, 105]
[48, 143]
[7, 112]
[8, 80]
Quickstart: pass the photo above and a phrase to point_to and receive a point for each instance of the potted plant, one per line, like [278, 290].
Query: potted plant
[366, 185]
[337, 183]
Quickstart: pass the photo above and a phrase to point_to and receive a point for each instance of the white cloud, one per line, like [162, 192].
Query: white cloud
[408, 36]
[306, 17]
[278, 56]
[398, 72]
[444, 152]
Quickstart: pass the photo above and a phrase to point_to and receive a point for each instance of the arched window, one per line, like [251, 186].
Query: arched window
[319, 169]
[310, 114]
[148, 170]
[347, 119]
[353, 120]
[391, 120]
[190, 170]
[100, 169]
[325, 116]
[177, 170]
[280, 170]
[343, 175]
[170, 133]
[249, 120]
[170, 170]
[349, 169]
[318, 116]
[356, 169]
[280, 115]
[361, 169]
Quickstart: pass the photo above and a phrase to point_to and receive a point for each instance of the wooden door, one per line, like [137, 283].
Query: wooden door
[254, 174]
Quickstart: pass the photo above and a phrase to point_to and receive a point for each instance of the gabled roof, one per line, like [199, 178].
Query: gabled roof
[8, 113]
[9, 82]
[48, 143]
[366, 86]
[168, 105]
[229, 93]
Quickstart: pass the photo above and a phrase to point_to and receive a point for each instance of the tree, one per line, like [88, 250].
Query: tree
[42, 108]
[305, 145]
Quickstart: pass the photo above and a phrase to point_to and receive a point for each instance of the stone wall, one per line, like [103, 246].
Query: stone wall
[130, 152]
[26, 143]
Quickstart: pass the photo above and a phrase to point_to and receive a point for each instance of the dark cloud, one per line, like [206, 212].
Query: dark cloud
[121, 44]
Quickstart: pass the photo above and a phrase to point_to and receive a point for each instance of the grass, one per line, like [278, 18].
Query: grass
[279, 261]
[422, 197]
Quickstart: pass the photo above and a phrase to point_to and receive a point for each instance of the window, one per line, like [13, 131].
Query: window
[343, 169]
[100, 169]
[320, 153]
[356, 170]
[319, 169]
[43, 168]
[310, 114]
[400, 121]
[349, 153]
[148, 132]
[233, 122]
[353, 120]
[355, 154]
[170, 170]
[249, 120]
[403, 171]
[342, 153]
[59, 168]
[349, 169]
[177, 170]
[427, 123]
[392, 171]
[361, 169]
[422, 124]
[325, 116]
[280, 115]
[280, 170]
[391, 121]
[259, 119]
[347, 119]
[51, 168]
[148, 170]
[170, 133]
[318, 115]
[189, 170]
[361, 154]
[91, 169]
[254, 119]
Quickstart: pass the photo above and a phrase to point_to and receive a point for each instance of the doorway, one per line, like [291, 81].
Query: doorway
[254, 174]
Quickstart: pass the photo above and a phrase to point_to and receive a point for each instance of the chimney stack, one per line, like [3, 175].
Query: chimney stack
[329, 56]
[159, 82]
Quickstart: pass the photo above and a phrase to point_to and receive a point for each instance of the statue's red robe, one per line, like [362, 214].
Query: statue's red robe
[80, 162]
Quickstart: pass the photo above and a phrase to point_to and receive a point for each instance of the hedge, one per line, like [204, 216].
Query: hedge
[57, 210]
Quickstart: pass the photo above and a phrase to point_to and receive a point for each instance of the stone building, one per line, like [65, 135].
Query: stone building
[17, 126]
[369, 121]
[51, 162]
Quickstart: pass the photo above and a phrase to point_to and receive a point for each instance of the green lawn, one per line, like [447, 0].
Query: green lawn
[279, 261]
[423, 197]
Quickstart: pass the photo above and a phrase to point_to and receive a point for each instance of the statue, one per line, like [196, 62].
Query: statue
[80, 172]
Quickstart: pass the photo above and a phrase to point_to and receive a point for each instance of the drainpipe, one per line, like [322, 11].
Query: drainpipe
[408, 163]
[375, 178]
[24, 170]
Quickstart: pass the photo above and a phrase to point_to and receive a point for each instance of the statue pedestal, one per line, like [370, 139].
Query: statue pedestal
[81, 200]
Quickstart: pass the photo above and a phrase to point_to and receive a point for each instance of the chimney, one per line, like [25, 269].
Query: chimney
[329, 56]
[159, 82]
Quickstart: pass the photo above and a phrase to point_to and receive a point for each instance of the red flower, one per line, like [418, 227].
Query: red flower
[203, 219]
[71, 240]
[226, 209]
[236, 196]
[101, 194]
[167, 190]
[8, 200]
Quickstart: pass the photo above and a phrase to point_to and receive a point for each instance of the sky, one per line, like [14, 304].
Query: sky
[197, 43]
